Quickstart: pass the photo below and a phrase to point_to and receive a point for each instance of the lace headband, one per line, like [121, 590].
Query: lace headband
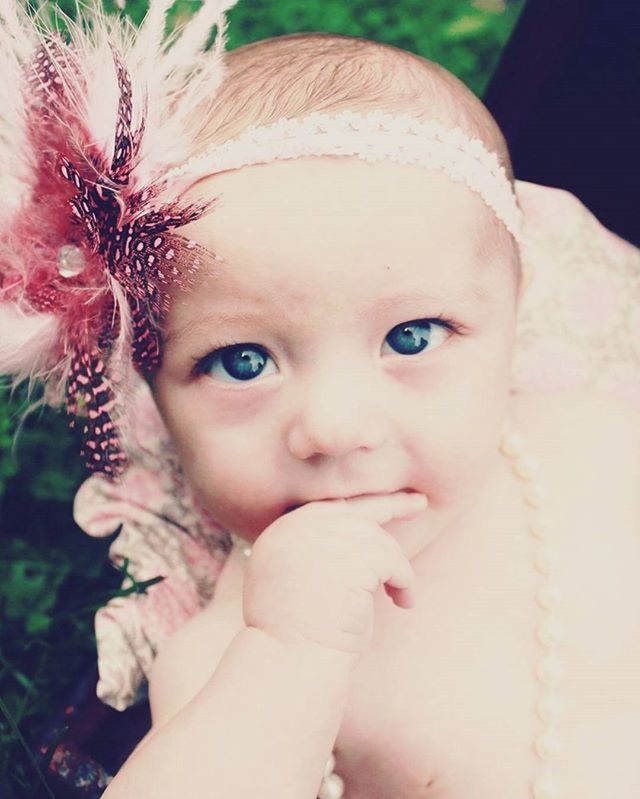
[374, 136]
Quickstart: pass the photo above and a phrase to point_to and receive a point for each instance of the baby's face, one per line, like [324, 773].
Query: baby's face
[311, 364]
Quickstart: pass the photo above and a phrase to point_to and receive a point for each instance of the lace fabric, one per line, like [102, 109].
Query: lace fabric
[579, 321]
[578, 327]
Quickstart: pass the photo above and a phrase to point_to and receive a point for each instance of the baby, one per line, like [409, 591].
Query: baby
[337, 383]
[337, 388]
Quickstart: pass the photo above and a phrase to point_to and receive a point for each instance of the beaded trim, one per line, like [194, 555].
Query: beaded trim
[549, 632]
[374, 136]
[548, 672]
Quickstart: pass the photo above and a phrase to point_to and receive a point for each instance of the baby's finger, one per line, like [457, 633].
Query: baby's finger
[402, 597]
[396, 574]
[384, 507]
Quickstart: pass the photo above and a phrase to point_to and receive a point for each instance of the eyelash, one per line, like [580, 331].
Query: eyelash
[199, 367]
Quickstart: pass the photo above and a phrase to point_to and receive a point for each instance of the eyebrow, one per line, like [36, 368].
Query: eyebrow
[468, 296]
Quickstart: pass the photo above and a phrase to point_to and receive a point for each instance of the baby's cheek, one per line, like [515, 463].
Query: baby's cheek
[453, 457]
[238, 491]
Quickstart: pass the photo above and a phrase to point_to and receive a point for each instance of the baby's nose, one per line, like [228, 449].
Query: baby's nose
[335, 422]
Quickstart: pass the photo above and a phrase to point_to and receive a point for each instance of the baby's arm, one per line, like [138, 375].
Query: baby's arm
[263, 724]
[263, 721]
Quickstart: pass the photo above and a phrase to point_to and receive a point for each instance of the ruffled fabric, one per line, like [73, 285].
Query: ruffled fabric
[578, 326]
[163, 532]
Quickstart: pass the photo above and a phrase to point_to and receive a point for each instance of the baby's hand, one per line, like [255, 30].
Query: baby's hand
[313, 572]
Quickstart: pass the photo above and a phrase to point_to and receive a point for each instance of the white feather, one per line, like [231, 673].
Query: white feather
[170, 75]
[151, 31]
[177, 81]
[16, 42]
[193, 37]
[25, 340]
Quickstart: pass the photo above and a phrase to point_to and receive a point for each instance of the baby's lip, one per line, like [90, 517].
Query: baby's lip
[294, 506]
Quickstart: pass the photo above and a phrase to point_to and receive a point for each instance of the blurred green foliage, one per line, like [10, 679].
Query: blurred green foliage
[51, 574]
[50, 577]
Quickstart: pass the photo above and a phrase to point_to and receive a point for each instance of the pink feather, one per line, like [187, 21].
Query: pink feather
[88, 128]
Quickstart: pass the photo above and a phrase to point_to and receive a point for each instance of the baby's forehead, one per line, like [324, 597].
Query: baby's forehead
[339, 211]
[338, 236]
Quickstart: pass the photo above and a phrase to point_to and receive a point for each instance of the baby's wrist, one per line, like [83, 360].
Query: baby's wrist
[306, 649]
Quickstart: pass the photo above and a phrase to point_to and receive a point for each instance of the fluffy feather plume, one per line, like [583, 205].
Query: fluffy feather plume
[90, 122]
[26, 341]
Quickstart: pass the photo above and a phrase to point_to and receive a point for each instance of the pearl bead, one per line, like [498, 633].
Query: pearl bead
[332, 787]
[546, 561]
[549, 708]
[527, 466]
[549, 596]
[548, 743]
[511, 444]
[331, 764]
[539, 527]
[535, 494]
[546, 788]
[71, 260]
[550, 632]
[240, 542]
[549, 669]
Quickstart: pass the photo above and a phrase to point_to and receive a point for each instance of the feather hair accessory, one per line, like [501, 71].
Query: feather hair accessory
[90, 124]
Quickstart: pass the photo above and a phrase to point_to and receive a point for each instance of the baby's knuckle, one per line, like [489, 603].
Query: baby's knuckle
[369, 578]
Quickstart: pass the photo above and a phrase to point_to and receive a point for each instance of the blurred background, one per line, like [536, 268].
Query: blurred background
[538, 72]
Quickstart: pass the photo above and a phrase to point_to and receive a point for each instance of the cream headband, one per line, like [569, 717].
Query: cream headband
[374, 136]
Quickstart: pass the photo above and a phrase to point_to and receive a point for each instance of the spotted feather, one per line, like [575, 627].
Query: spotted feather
[43, 75]
[88, 197]
[125, 146]
[90, 394]
[146, 351]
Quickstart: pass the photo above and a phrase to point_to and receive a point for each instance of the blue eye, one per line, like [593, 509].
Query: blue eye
[410, 338]
[245, 361]
[240, 361]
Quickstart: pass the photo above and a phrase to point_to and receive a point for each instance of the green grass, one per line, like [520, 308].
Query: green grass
[52, 576]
